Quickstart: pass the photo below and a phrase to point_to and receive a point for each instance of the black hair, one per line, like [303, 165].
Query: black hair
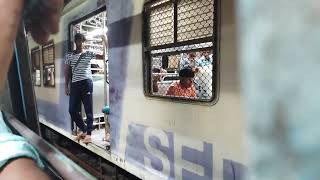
[165, 62]
[156, 70]
[186, 73]
[79, 36]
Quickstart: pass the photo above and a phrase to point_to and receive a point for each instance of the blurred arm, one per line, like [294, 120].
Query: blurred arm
[22, 168]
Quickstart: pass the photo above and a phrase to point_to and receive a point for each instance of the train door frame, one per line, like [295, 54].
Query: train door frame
[94, 12]
[70, 45]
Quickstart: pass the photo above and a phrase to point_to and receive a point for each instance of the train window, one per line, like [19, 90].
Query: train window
[36, 72]
[180, 49]
[48, 64]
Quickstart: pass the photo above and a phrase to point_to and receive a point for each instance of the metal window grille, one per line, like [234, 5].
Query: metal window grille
[181, 34]
[48, 64]
[36, 71]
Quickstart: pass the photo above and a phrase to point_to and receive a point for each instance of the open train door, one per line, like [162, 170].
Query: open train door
[92, 26]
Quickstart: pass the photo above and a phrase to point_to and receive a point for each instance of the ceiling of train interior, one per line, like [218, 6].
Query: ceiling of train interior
[93, 26]
[93, 23]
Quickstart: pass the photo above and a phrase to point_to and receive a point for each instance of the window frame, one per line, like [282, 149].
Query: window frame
[147, 48]
[47, 45]
[35, 50]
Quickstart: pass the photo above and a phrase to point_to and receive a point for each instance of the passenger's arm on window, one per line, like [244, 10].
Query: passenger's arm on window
[193, 93]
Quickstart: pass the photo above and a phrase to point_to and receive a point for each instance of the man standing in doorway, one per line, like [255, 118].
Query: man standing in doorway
[78, 69]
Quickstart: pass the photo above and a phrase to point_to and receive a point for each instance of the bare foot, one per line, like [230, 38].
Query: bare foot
[87, 139]
[80, 136]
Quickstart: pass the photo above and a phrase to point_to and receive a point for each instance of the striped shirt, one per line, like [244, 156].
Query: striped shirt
[83, 69]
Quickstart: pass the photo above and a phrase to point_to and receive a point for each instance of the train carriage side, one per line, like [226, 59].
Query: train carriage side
[177, 139]
[152, 136]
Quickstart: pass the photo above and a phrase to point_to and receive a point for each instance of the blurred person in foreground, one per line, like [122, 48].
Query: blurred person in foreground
[18, 159]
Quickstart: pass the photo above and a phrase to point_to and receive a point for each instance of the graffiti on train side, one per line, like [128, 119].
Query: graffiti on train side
[166, 156]
[153, 150]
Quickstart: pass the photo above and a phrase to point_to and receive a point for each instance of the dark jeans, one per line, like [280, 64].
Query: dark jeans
[81, 91]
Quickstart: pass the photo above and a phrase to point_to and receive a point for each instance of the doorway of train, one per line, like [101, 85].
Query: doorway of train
[93, 26]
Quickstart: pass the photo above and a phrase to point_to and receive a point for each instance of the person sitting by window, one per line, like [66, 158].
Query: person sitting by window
[204, 76]
[205, 60]
[164, 64]
[184, 87]
[189, 62]
[155, 79]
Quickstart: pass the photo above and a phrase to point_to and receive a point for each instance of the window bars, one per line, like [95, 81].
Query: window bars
[181, 35]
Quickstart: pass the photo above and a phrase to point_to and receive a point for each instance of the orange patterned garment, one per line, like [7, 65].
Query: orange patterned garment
[175, 89]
